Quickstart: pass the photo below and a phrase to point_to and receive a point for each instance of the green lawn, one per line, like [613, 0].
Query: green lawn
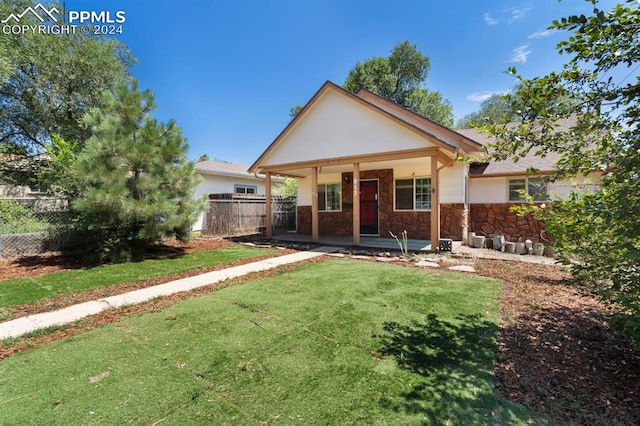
[17, 292]
[333, 343]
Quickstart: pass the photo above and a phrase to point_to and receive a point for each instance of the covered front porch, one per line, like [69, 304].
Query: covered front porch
[366, 168]
[354, 197]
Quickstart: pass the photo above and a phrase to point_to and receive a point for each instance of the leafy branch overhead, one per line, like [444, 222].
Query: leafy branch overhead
[598, 90]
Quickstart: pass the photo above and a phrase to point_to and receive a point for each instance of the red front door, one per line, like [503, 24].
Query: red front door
[369, 207]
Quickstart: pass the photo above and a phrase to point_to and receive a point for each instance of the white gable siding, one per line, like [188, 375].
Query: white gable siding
[337, 126]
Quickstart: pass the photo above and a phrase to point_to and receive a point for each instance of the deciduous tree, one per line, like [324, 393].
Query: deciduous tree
[51, 80]
[600, 87]
[496, 109]
[400, 78]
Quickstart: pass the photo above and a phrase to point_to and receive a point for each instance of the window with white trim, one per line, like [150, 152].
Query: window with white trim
[245, 189]
[535, 187]
[413, 194]
[329, 197]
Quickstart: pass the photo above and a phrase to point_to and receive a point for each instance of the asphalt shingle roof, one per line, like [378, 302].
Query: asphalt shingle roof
[509, 167]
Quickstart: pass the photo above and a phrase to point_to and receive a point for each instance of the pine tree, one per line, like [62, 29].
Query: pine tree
[136, 182]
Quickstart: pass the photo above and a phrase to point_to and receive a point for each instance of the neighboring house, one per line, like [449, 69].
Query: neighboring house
[405, 169]
[219, 177]
[21, 170]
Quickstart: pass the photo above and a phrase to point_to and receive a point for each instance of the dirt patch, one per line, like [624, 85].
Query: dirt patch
[31, 266]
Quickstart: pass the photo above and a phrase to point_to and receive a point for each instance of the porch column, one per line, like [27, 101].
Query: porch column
[268, 213]
[314, 204]
[435, 205]
[356, 204]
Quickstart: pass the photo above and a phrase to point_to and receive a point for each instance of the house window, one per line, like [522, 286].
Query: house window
[245, 189]
[413, 194]
[536, 188]
[329, 197]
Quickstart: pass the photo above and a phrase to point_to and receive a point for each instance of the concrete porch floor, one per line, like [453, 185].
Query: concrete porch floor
[388, 244]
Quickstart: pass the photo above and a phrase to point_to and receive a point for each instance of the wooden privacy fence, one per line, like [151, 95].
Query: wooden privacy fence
[242, 214]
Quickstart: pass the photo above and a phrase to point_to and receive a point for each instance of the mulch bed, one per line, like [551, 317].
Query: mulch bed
[557, 354]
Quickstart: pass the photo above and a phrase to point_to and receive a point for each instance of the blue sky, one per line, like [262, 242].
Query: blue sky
[228, 72]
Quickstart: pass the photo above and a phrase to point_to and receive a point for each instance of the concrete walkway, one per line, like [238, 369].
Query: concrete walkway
[28, 324]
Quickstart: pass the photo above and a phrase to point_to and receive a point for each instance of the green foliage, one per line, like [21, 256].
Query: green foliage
[403, 245]
[5, 65]
[203, 157]
[57, 175]
[494, 110]
[136, 183]
[399, 78]
[287, 189]
[294, 111]
[51, 81]
[15, 219]
[599, 89]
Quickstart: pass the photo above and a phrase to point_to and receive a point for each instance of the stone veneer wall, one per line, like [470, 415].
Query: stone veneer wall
[489, 219]
[453, 218]
[454, 221]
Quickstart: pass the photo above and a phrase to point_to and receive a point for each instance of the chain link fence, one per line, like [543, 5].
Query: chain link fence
[31, 225]
[37, 224]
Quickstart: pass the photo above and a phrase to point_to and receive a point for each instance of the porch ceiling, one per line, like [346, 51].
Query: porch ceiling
[343, 165]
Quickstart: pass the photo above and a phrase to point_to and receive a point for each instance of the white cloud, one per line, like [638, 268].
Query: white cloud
[541, 34]
[489, 20]
[518, 13]
[483, 96]
[520, 54]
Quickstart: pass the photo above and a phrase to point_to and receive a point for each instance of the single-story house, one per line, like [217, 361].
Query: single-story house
[219, 177]
[367, 166]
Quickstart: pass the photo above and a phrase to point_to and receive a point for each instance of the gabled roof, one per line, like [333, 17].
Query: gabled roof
[531, 161]
[438, 135]
[446, 135]
[221, 168]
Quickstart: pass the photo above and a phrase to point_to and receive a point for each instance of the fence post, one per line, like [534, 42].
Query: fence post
[268, 212]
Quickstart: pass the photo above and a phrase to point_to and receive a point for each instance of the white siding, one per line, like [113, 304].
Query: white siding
[304, 186]
[452, 184]
[488, 190]
[304, 192]
[496, 189]
[562, 189]
[337, 126]
[214, 184]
